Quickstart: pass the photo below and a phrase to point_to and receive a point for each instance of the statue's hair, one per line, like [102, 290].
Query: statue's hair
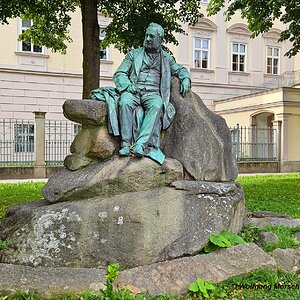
[160, 31]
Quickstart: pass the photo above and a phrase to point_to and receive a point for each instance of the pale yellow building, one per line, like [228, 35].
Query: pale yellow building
[277, 109]
[222, 58]
[226, 67]
[35, 79]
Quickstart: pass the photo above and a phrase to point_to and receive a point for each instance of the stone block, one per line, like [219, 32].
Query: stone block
[287, 259]
[173, 277]
[134, 229]
[74, 162]
[267, 238]
[86, 112]
[166, 277]
[199, 139]
[102, 145]
[116, 176]
[92, 142]
[273, 221]
[82, 142]
[50, 282]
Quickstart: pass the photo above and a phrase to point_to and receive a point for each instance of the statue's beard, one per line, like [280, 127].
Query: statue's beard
[150, 47]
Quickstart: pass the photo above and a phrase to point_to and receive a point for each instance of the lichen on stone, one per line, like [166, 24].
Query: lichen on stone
[49, 236]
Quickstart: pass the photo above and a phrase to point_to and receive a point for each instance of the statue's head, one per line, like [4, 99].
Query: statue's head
[154, 37]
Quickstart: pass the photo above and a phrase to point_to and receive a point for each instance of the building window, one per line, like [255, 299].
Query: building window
[77, 128]
[24, 138]
[103, 53]
[238, 57]
[273, 60]
[201, 53]
[29, 47]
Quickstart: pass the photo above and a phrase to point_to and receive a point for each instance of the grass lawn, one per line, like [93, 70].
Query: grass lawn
[16, 193]
[277, 193]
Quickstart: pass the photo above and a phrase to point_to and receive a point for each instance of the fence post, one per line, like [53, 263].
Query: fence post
[284, 155]
[39, 145]
[238, 142]
[277, 125]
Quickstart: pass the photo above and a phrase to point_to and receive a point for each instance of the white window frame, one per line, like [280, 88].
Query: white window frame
[106, 49]
[201, 50]
[239, 54]
[77, 127]
[24, 137]
[273, 57]
[21, 28]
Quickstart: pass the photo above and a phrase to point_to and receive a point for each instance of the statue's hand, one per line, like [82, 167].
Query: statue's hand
[185, 86]
[132, 89]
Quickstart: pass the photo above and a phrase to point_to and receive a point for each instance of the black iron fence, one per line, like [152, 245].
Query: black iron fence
[59, 136]
[18, 144]
[255, 143]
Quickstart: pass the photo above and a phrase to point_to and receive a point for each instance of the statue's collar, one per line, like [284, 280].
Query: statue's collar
[158, 50]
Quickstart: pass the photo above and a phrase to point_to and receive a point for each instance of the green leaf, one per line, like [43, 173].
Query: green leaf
[220, 241]
[202, 287]
[210, 247]
[200, 282]
[193, 287]
[209, 285]
[112, 272]
[233, 238]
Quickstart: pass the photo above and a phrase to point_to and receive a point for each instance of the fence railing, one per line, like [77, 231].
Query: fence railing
[59, 136]
[286, 79]
[255, 143]
[18, 144]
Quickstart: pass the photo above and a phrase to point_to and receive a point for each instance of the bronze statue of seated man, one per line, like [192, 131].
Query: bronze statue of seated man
[144, 80]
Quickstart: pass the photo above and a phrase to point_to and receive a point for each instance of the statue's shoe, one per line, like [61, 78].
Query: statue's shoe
[138, 150]
[124, 151]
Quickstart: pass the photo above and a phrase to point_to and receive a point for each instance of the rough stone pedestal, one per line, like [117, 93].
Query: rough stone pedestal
[133, 229]
[199, 139]
[129, 210]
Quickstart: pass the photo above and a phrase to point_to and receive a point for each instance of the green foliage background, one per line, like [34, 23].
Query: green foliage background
[262, 15]
[129, 20]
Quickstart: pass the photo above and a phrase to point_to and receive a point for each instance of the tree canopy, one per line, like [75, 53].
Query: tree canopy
[261, 15]
[51, 20]
[129, 20]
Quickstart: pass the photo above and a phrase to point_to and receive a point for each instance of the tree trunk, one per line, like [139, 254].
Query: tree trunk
[90, 51]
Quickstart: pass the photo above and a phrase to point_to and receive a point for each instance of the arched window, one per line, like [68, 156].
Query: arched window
[239, 39]
[273, 52]
[202, 39]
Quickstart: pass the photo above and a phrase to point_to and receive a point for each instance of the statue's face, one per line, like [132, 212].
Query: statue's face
[152, 39]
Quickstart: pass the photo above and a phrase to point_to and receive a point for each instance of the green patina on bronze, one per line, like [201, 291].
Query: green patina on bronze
[143, 81]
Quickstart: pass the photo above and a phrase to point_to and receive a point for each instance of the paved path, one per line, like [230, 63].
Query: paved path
[23, 180]
[265, 174]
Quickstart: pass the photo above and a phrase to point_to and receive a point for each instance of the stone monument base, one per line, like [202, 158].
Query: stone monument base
[133, 229]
